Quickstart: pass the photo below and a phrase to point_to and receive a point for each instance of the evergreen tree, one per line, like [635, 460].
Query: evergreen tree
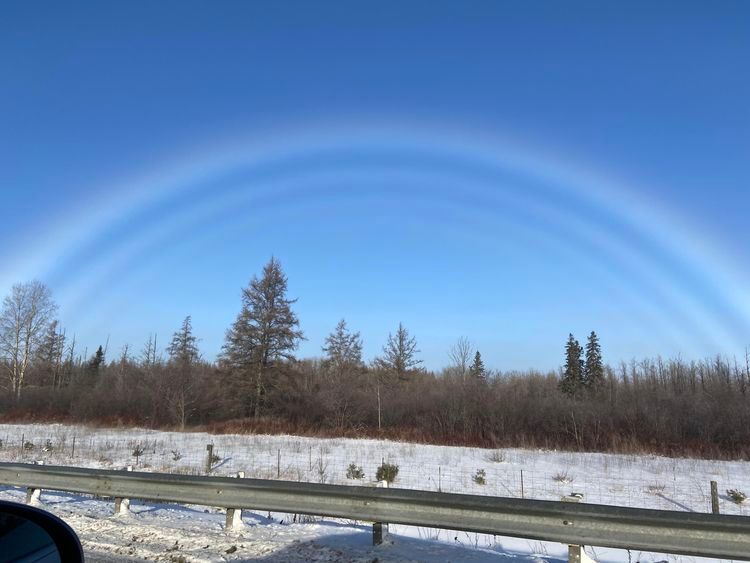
[477, 367]
[343, 348]
[184, 349]
[97, 359]
[593, 373]
[92, 367]
[572, 379]
[399, 353]
[266, 330]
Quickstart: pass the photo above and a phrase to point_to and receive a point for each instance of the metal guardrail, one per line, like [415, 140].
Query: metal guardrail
[681, 533]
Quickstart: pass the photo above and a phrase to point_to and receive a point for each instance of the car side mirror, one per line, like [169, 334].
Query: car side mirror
[29, 534]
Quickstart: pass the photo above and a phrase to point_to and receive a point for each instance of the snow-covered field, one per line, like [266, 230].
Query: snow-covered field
[168, 532]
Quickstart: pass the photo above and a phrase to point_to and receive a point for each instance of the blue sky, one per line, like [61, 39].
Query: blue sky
[506, 171]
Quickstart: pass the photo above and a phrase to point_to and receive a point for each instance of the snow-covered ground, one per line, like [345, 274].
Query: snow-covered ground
[169, 532]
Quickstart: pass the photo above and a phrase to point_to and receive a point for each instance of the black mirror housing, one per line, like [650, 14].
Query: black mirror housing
[29, 534]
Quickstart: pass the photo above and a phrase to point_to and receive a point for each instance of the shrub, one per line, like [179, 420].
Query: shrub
[354, 471]
[496, 456]
[176, 455]
[138, 452]
[656, 488]
[480, 477]
[387, 472]
[48, 447]
[736, 495]
[215, 459]
[28, 446]
[563, 477]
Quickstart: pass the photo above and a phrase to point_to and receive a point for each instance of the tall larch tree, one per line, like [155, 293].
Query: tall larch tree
[183, 349]
[343, 348]
[180, 389]
[399, 353]
[265, 332]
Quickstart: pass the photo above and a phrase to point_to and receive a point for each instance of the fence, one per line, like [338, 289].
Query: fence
[621, 480]
[565, 522]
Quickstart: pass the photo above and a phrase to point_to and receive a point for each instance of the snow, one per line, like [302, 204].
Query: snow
[159, 532]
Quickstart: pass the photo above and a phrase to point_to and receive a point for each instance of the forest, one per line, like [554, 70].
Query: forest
[257, 385]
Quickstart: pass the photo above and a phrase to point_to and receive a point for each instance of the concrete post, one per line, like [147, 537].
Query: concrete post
[122, 505]
[234, 515]
[576, 553]
[380, 529]
[33, 495]
[234, 519]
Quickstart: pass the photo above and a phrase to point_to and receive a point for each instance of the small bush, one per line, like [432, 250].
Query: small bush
[656, 488]
[137, 453]
[176, 455]
[48, 447]
[480, 477]
[354, 471]
[736, 495]
[563, 477]
[28, 446]
[387, 472]
[215, 459]
[496, 456]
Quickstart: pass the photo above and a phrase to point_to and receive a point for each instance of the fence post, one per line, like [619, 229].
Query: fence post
[714, 497]
[380, 529]
[122, 505]
[209, 457]
[234, 515]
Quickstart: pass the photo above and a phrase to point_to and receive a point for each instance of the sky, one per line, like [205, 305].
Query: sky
[508, 171]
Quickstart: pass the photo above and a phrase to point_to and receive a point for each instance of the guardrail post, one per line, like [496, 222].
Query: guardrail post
[576, 553]
[122, 505]
[33, 495]
[380, 529]
[234, 515]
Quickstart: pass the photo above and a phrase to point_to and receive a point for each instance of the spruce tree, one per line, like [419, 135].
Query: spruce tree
[265, 332]
[91, 372]
[572, 379]
[477, 367]
[593, 373]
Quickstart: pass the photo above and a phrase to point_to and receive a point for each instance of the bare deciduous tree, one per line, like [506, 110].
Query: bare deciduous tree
[26, 314]
[460, 356]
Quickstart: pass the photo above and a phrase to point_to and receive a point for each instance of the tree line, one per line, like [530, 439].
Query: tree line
[257, 384]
